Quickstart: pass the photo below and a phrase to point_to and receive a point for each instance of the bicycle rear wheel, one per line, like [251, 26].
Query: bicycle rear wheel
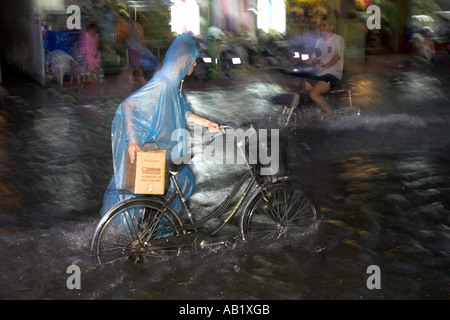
[137, 230]
[279, 211]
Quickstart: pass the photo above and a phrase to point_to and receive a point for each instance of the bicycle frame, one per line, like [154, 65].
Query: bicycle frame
[251, 176]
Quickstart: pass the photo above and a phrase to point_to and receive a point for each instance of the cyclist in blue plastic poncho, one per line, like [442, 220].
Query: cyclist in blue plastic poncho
[153, 114]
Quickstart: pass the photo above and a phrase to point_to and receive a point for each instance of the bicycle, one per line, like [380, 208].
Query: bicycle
[146, 227]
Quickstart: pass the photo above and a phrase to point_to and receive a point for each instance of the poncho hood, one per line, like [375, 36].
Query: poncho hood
[179, 58]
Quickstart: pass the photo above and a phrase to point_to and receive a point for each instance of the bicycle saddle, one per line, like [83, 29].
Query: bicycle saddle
[175, 168]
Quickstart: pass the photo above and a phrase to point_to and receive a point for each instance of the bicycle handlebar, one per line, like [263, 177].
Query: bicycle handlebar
[223, 128]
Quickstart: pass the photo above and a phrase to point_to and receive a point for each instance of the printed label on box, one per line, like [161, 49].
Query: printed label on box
[147, 174]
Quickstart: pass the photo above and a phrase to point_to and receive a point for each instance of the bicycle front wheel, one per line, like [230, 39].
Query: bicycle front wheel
[137, 230]
[281, 210]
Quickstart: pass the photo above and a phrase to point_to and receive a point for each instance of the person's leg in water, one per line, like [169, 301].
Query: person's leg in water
[317, 92]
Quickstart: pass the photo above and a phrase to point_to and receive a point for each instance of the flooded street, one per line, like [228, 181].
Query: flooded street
[381, 179]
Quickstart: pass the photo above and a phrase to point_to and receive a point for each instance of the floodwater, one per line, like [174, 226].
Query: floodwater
[382, 180]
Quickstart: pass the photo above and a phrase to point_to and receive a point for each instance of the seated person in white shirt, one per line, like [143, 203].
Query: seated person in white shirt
[329, 63]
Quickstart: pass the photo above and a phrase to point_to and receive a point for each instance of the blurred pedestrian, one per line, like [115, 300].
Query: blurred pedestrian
[136, 49]
[90, 45]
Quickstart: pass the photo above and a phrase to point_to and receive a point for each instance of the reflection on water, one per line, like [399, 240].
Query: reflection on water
[381, 180]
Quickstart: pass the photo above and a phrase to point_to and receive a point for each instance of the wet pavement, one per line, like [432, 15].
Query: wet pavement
[381, 180]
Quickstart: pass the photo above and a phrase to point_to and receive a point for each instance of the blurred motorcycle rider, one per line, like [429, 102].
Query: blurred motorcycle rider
[328, 58]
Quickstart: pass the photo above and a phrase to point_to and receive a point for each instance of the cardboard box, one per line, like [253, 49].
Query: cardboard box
[147, 174]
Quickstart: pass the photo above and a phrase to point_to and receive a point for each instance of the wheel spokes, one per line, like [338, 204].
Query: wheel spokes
[138, 233]
[282, 211]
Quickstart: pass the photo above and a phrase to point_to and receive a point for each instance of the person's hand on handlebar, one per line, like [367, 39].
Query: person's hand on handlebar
[321, 66]
[213, 127]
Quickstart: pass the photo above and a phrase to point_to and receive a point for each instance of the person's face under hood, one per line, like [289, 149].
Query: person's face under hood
[191, 70]
[180, 58]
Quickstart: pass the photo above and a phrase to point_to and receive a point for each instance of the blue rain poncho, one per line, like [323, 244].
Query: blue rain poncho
[152, 114]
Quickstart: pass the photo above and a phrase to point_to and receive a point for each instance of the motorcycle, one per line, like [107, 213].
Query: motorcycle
[301, 67]
[230, 56]
[206, 63]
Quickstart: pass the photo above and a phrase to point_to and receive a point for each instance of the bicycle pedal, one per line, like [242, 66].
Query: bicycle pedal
[215, 245]
[205, 244]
